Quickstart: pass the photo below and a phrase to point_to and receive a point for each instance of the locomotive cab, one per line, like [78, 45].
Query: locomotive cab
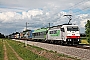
[70, 34]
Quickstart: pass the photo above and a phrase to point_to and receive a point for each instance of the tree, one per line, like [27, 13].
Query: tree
[87, 30]
[2, 35]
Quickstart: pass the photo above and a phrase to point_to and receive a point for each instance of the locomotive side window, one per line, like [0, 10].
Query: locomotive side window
[40, 33]
[62, 29]
[53, 32]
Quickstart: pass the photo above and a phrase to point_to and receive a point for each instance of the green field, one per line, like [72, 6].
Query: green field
[29, 52]
[10, 54]
[1, 50]
[23, 52]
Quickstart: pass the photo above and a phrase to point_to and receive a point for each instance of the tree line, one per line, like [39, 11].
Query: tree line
[87, 30]
[2, 35]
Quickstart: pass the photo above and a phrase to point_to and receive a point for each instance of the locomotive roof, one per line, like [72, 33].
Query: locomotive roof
[70, 25]
[40, 30]
[58, 26]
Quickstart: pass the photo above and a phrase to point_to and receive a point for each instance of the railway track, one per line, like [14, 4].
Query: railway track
[83, 46]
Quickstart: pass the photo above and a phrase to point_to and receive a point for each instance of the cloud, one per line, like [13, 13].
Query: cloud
[85, 5]
[15, 20]
[9, 16]
[83, 19]
[19, 5]
[13, 16]
[38, 18]
[82, 23]
[38, 13]
[31, 13]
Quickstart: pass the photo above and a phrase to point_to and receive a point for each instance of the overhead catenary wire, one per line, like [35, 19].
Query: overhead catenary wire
[71, 8]
[82, 11]
[75, 5]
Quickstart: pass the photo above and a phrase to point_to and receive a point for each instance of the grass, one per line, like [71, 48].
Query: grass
[63, 55]
[75, 58]
[37, 48]
[23, 52]
[10, 54]
[1, 50]
[55, 52]
[84, 41]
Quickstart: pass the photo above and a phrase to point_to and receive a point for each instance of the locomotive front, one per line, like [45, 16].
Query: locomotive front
[72, 34]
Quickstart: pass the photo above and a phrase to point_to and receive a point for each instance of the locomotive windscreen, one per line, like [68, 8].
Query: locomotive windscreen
[70, 28]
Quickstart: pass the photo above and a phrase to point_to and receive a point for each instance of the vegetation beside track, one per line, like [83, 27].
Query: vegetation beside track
[30, 52]
[51, 55]
[84, 41]
[54, 53]
[1, 50]
[23, 52]
[10, 53]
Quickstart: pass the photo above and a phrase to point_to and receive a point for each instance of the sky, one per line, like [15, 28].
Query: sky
[39, 13]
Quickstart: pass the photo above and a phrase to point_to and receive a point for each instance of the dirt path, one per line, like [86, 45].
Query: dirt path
[19, 58]
[5, 51]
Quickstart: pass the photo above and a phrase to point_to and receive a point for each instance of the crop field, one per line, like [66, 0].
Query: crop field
[84, 40]
[15, 50]
[1, 50]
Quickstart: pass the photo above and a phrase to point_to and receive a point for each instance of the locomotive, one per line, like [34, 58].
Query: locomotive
[61, 34]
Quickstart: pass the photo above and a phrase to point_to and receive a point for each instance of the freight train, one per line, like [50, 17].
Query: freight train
[60, 34]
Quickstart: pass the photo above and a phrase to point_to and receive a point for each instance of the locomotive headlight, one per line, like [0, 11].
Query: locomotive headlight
[70, 39]
[78, 39]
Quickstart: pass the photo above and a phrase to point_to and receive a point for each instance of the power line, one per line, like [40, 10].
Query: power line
[80, 10]
[76, 4]
[70, 8]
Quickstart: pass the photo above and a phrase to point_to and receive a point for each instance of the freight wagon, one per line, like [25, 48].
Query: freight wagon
[26, 34]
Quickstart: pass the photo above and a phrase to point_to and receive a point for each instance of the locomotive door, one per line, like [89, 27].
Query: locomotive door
[62, 34]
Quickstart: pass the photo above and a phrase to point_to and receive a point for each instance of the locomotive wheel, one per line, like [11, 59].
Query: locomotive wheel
[51, 41]
[61, 42]
[58, 42]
